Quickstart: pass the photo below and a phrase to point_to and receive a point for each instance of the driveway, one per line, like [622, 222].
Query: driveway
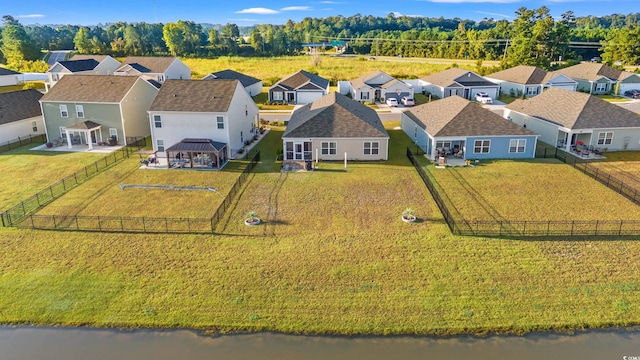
[633, 105]
[56, 56]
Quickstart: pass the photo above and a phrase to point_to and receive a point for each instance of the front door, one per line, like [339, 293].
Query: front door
[298, 150]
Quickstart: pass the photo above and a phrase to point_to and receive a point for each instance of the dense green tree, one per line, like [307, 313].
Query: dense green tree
[622, 45]
[82, 42]
[132, 42]
[182, 38]
[16, 45]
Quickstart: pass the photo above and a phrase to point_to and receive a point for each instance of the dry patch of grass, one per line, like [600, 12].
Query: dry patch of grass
[626, 171]
[102, 195]
[530, 190]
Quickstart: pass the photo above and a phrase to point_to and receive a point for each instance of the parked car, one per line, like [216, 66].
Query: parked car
[596, 59]
[392, 102]
[408, 101]
[634, 94]
[484, 98]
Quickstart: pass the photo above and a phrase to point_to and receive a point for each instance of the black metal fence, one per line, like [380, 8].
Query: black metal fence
[36, 202]
[527, 228]
[222, 209]
[128, 224]
[22, 140]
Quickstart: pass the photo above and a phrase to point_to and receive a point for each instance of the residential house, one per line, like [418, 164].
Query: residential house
[456, 81]
[81, 65]
[252, 85]
[152, 68]
[90, 109]
[192, 115]
[597, 78]
[332, 128]
[20, 115]
[9, 77]
[455, 127]
[379, 85]
[524, 80]
[567, 118]
[300, 88]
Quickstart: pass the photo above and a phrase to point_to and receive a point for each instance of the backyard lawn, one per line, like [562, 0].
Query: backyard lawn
[25, 172]
[332, 257]
[539, 190]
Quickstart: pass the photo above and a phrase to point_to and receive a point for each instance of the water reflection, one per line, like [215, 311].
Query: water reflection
[62, 343]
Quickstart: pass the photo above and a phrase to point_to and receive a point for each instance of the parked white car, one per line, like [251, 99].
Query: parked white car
[484, 98]
[392, 102]
[408, 101]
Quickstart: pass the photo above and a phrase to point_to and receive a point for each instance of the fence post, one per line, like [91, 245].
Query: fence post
[188, 224]
[75, 176]
[24, 211]
[121, 225]
[55, 225]
[620, 229]
[572, 223]
[166, 225]
[144, 226]
[596, 233]
[51, 190]
[77, 225]
[37, 199]
[524, 228]
[548, 226]
[99, 224]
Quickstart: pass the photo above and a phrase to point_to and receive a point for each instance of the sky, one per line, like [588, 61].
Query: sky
[250, 12]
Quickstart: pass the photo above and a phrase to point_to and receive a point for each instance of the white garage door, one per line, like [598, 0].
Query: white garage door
[627, 87]
[308, 96]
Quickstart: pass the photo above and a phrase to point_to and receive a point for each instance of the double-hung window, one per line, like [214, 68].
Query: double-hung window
[64, 112]
[371, 147]
[157, 121]
[160, 145]
[517, 145]
[481, 146]
[605, 138]
[80, 111]
[329, 148]
[277, 95]
[220, 122]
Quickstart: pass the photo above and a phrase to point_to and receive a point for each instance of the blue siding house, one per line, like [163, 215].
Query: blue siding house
[458, 128]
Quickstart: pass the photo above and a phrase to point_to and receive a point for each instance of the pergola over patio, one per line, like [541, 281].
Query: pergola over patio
[197, 153]
[86, 128]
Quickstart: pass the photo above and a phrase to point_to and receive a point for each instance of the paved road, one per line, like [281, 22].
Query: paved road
[390, 116]
[56, 56]
[633, 105]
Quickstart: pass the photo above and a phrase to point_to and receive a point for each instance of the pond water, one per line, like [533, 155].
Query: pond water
[82, 343]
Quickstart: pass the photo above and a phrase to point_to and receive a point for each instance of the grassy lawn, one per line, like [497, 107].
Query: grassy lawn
[613, 98]
[540, 189]
[507, 99]
[624, 165]
[272, 69]
[332, 257]
[31, 171]
[38, 85]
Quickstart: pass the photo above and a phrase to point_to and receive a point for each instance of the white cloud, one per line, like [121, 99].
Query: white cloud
[296, 8]
[258, 10]
[398, 14]
[474, 1]
[30, 16]
[494, 14]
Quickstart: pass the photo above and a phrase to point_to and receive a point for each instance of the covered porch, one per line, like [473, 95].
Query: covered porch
[204, 154]
[447, 148]
[83, 133]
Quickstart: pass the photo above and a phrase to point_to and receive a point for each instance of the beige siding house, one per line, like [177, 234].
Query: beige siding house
[333, 126]
[81, 65]
[152, 68]
[528, 81]
[379, 85]
[597, 78]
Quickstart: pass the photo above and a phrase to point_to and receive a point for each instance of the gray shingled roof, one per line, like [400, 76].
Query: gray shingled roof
[91, 88]
[5, 71]
[300, 78]
[84, 125]
[19, 105]
[194, 144]
[335, 116]
[522, 74]
[79, 65]
[362, 80]
[590, 71]
[154, 64]
[228, 74]
[195, 96]
[576, 110]
[455, 116]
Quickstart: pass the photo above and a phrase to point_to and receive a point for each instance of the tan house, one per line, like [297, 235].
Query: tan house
[155, 68]
[379, 85]
[597, 78]
[528, 81]
[81, 65]
[332, 128]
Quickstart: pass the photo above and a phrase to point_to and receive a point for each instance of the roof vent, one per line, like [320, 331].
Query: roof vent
[175, 95]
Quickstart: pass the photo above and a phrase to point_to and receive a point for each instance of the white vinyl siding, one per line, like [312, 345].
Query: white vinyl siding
[64, 112]
[80, 111]
[605, 138]
[517, 145]
[481, 146]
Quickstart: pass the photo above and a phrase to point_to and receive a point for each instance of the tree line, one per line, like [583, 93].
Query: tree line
[533, 37]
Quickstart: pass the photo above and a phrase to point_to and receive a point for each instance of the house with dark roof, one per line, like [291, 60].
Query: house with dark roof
[567, 119]
[459, 128]
[84, 110]
[220, 112]
[302, 87]
[20, 115]
[331, 126]
[9, 77]
[251, 84]
[379, 85]
[155, 68]
[598, 78]
[81, 65]
[456, 81]
[524, 80]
